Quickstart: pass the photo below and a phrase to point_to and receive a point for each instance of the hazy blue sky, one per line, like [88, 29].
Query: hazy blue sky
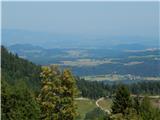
[83, 18]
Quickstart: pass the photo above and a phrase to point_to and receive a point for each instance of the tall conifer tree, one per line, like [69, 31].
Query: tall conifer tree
[57, 94]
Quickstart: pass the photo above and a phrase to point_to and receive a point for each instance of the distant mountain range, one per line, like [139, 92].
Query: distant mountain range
[120, 60]
[86, 56]
[50, 40]
[54, 55]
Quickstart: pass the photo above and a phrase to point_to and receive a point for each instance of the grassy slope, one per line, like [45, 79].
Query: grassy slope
[156, 102]
[84, 106]
[105, 103]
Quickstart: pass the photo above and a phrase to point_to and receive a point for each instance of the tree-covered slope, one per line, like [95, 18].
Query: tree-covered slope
[15, 68]
[20, 98]
[19, 78]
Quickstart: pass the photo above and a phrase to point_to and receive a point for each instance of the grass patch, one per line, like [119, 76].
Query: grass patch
[105, 103]
[84, 106]
[156, 102]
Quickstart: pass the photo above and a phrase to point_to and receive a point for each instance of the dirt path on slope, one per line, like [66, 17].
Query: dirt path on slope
[97, 103]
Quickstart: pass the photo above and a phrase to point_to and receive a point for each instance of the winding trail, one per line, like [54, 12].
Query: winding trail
[105, 110]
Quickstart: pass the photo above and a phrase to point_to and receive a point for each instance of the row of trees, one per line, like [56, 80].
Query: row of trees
[95, 89]
[127, 108]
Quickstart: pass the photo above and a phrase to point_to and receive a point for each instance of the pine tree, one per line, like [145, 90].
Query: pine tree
[69, 92]
[147, 110]
[121, 101]
[18, 102]
[57, 94]
[136, 104]
[48, 97]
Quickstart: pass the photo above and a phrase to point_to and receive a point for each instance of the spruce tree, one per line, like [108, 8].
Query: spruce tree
[121, 101]
[18, 102]
[49, 94]
[69, 92]
[136, 104]
[148, 112]
[57, 94]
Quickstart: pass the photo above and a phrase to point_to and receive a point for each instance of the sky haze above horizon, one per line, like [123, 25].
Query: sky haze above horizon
[84, 18]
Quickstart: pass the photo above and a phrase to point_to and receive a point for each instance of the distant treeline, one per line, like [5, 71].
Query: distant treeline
[126, 107]
[97, 89]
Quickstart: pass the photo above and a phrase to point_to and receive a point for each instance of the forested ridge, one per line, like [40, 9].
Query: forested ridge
[33, 92]
[20, 78]
[15, 68]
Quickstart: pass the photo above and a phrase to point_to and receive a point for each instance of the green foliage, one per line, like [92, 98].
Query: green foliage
[123, 107]
[57, 94]
[139, 109]
[69, 92]
[121, 101]
[136, 104]
[95, 89]
[17, 98]
[130, 116]
[96, 114]
[14, 68]
[83, 107]
[18, 102]
[147, 111]
[145, 87]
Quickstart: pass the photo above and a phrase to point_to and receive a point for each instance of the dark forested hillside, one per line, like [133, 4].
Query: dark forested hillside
[22, 98]
[15, 68]
[19, 79]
